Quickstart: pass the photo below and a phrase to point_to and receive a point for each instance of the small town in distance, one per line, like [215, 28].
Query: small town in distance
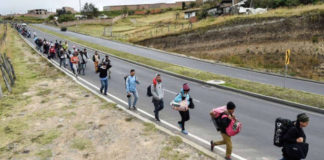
[162, 79]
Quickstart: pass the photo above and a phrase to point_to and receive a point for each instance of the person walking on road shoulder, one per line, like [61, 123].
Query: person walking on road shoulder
[62, 57]
[224, 123]
[96, 60]
[131, 83]
[75, 62]
[183, 96]
[83, 61]
[158, 94]
[295, 136]
[103, 70]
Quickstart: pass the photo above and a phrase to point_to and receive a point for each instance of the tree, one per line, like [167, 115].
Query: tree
[183, 5]
[192, 4]
[125, 10]
[292, 3]
[66, 17]
[90, 10]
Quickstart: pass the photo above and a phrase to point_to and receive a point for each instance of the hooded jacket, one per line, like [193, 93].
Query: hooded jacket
[178, 98]
[157, 90]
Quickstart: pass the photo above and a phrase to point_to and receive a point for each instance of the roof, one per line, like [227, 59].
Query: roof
[192, 10]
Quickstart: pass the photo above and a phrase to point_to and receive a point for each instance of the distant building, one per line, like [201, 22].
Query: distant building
[146, 6]
[103, 16]
[66, 10]
[190, 13]
[39, 13]
[69, 9]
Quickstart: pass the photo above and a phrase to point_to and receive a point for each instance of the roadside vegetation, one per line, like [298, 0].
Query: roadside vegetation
[268, 90]
[136, 28]
[24, 19]
[256, 47]
[48, 116]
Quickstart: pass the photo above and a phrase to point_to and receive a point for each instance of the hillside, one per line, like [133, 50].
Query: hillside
[257, 41]
[252, 41]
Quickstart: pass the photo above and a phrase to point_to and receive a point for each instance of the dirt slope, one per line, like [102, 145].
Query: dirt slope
[256, 43]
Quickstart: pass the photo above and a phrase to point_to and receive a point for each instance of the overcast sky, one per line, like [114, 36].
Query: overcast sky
[21, 6]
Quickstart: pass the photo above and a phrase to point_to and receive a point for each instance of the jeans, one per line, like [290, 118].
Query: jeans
[104, 85]
[62, 62]
[82, 68]
[135, 94]
[71, 65]
[185, 116]
[75, 68]
[226, 140]
[158, 106]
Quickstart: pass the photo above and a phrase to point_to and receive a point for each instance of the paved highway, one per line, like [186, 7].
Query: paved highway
[257, 116]
[191, 63]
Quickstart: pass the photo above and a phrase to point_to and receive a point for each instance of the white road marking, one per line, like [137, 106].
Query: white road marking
[68, 72]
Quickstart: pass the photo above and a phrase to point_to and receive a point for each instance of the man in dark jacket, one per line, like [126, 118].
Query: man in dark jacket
[225, 122]
[295, 135]
[102, 70]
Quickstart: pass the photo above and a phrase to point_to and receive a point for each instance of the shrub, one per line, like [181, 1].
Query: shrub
[66, 18]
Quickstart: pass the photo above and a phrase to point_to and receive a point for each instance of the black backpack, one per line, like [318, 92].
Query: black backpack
[281, 128]
[191, 104]
[149, 92]
[296, 151]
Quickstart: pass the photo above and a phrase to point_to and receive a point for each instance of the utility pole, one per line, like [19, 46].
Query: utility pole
[80, 5]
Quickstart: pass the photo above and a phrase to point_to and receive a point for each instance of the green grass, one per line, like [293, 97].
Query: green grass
[264, 89]
[169, 150]
[139, 27]
[81, 143]
[44, 154]
[81, 126]
[46, 137]
[28, 19]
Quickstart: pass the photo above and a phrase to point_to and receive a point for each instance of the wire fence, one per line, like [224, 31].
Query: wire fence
[6, 67]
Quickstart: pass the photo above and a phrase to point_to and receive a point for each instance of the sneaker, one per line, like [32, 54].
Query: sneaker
[184, 132]
[228, 158]
[180, 125]
[101, 91]
[105, 94]
[212, 145]
[157, 118]
[134, 108]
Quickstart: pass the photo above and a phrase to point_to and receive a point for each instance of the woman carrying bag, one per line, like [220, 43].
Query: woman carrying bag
[182, 102]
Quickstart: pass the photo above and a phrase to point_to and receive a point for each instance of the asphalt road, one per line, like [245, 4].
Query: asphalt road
[257, 116]
[191, 63]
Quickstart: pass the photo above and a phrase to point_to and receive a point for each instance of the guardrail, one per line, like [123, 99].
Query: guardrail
[6, 67]
[7, 72]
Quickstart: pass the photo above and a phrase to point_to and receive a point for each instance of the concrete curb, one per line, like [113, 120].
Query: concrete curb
[204, 60]
[260, 96]
[163, 129]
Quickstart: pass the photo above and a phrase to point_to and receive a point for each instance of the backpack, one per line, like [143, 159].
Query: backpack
[218, 113]
[281, 128]
[296, 150]
[191, 104]
[234, 127]
[149, 92]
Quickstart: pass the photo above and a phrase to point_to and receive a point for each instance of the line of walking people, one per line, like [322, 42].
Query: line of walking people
[223, 117]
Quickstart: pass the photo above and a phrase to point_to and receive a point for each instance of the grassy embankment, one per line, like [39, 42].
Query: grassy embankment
[28, 19]
[264, 55]
[48, 116]
[139, 27]
[268, 90]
